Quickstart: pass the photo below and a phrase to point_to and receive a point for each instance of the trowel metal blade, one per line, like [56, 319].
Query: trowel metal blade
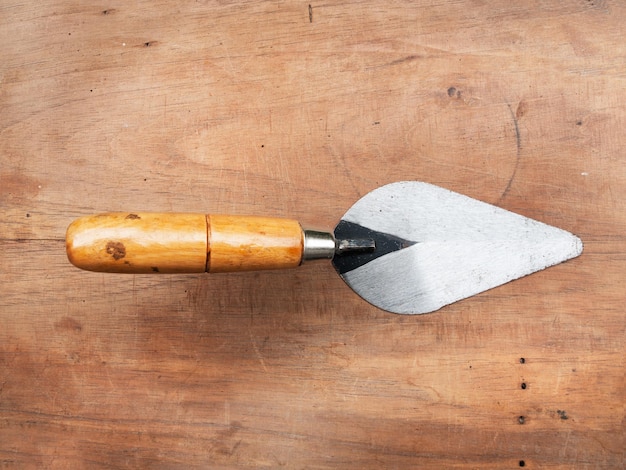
[436, 247]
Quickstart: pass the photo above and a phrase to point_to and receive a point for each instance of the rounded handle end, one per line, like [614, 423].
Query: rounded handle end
[138, 243]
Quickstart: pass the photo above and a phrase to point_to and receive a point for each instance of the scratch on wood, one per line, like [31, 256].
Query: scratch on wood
[310, 13]
[408, 58]
[258, 353]
[518, 144]
[402, 60]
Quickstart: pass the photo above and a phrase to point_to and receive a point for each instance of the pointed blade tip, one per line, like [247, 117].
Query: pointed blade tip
[578, 247]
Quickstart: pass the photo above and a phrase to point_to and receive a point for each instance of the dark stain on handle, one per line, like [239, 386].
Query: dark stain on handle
[116, 249]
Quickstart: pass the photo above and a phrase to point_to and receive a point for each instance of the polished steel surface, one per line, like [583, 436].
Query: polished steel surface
[318, 245]
[461, 247]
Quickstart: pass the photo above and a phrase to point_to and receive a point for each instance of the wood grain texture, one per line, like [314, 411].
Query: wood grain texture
[246, 243]
[139, 243]
[171, 242]
[296, 110]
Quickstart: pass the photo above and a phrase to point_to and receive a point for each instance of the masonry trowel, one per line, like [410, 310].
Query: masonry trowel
[407, 247]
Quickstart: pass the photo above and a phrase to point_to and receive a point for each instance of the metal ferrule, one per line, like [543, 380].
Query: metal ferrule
[318, 245]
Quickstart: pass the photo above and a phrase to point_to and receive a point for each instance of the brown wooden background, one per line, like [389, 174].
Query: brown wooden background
[297, 109]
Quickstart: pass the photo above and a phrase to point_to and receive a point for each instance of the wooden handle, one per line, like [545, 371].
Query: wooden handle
[182, 243]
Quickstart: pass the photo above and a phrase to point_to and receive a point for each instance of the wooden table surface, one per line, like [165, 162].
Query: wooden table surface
[297, 109]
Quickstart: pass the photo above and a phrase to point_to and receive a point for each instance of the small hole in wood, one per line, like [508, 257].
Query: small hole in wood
[521, 420]
[523, 385]
[522, 360]
[522, 463]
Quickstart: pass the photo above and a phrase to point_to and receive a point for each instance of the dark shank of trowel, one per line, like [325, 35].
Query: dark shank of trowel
[350, 260]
